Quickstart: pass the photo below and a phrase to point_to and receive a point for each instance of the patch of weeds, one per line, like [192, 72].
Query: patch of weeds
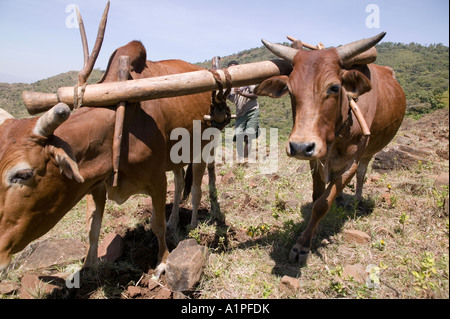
[440, 196]
[279, 206]
[267, 290]
[261, 229]
[380, 245]
[423, 276]
[239, 173]
[424, 167]
[403, 219]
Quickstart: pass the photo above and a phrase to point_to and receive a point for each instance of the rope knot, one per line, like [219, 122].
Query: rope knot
[219, 111]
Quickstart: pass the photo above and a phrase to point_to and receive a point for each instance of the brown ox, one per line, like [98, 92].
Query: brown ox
[46, 167]
[325, 131]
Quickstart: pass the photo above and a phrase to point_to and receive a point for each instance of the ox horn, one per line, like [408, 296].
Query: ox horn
[89, 61]
[50, 120]
[350, 50]
[4, 116]
[282, 51]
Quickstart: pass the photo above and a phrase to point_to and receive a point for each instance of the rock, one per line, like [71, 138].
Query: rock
[399, 156]
[152, 284]
[185, 265]
[289, 284]
[356, 236]
[178, 295]
[357, 272]
[134, 291]
[37, 287]
[56, 252]
[163, 293]
[441, 181]
[228, 178]
[8, 287]
[111, 248]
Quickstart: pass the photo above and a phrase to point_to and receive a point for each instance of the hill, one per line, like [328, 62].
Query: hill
[11, 94]
[423, 72]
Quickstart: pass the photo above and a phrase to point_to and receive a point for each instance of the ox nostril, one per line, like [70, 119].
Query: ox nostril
[309, 149]
[302, 149]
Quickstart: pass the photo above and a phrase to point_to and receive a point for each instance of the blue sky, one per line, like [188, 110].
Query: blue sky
[35, 42]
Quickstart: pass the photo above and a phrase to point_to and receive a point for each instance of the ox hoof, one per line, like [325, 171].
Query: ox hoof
[299, 255]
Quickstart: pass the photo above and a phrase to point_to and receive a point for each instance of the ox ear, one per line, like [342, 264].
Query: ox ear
[355, 83]
[65, 163]
[275, 87]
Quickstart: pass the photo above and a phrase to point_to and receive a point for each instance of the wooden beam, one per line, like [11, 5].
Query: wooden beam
[107, 94]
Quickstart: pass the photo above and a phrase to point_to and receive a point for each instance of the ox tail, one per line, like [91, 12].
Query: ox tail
[188, 176]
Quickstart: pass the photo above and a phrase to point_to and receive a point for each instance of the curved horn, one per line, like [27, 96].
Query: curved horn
[350, 50]
[282, 51]
[4, 116]
[49, 122]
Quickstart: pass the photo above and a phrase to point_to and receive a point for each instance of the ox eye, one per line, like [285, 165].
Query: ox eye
[22, 175]
[334, 89]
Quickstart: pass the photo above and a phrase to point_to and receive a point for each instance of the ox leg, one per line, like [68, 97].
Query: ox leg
[300, 252]
[94, 214]
[360, 175]
[318, 183]
[198, 170]
[174, 218]
[158, 221]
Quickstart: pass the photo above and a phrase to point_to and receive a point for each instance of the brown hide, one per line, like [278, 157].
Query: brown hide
[28, 209]
[326, 132]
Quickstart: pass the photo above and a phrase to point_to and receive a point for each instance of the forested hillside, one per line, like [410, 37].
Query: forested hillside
[423, 71]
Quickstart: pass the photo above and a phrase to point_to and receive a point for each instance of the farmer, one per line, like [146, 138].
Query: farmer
[247, 118]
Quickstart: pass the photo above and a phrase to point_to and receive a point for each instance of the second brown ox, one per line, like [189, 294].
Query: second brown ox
[46, 167]
[325, 131]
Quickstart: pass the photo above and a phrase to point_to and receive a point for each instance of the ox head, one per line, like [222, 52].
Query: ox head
[34, 171]
[318, 86]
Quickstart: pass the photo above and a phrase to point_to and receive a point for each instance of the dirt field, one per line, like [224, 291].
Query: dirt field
[404, 215]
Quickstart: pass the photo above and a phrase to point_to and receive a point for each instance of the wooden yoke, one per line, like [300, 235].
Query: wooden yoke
[124, 71]
[111, 93]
